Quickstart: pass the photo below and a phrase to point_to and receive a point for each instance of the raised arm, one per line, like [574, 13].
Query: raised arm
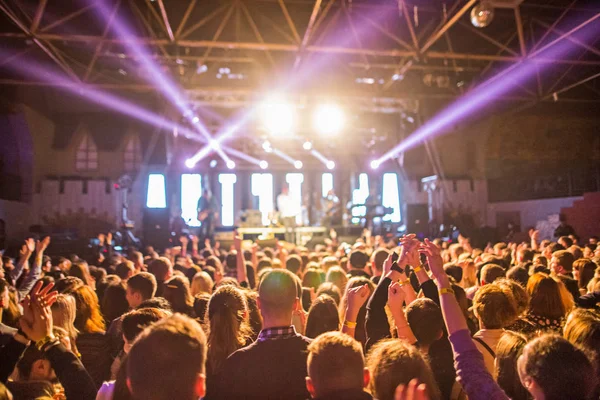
[240, 263]
[397, 295]
[37, 325]
[356, 297]
[36, 269]
[23, 263]
[472, 374]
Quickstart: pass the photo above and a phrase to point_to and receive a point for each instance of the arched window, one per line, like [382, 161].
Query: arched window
[132, 156]
[86, 158]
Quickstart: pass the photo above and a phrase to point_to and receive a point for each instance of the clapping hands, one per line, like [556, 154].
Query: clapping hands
[36, 321]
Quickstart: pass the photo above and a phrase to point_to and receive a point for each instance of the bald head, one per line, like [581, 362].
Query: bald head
[277, 293]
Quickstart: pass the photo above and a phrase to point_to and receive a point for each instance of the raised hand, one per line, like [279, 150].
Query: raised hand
[357, 297]
[101, 238]
[237, 241]
[42, 245]
[195, 240]
[412, 391]
[396, 296]
[434, 258]
[409, 252]
[28, 247]
[207, 243]
[37, 315]
[109, 238]
[184, 240]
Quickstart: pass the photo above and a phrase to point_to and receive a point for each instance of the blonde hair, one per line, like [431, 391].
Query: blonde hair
[202, 283]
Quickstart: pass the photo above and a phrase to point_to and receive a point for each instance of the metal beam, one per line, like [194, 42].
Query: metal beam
[39, 13]
[571, 39]
[203, 21]
[289, 20]
[565, 35]
[354, 33]
[410, 26]
[255, 29]
[99, 45]
[519, 23]
[308, 32]
[438, 34]
[571, 86]
[188, 11]
[386, 32]
[165, 17]
[278, 28]
[220, 29]
[147, 25]
[67, 18]
[490, 39]
[562, 15]
[39, 42]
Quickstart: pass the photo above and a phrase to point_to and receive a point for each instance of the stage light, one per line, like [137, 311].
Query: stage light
[195, 120]
[213, 163]
[263, 164]
[298, 164]
[307, 145]
[330, 164]
[278, 118]
[190, 163]
[230, 164]
[328, 119]
[267, 146]
[375, 164]
[482, 14]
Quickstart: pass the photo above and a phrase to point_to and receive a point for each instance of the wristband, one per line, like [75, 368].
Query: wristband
[396, 267]
[350, 324]
[402, 283]
[417, 269]
[446, 291]
[42, 342]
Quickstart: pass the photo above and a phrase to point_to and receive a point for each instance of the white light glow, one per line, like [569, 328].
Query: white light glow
[190, 163]
[278, 118]
[294, 181]
[330, 164]
[329, 119]
[326, 183]
[262, 187]
[390, 196]
[374, 164]
[195, 120]
[267, 146]
[307, 145]
[191, 190]
[156, 196]
[359, 195]
[213, 163]
[263, 164]
[230, 164]
[298, 164]
[227, 182]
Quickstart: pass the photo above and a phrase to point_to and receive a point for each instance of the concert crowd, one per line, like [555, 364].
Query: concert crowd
[374, 319]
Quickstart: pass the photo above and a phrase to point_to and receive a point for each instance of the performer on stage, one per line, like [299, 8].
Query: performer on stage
[287, 214]
[207, 214]
[332, 210]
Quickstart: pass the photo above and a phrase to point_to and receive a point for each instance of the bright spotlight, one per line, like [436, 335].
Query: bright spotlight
[267, 146]
[213, 163]
[307, 145]
[330, 164]
[298, 164]
[329, 119]
[195, 120]
[190, 163]
[263, 164]
[214, 145]
[375, 164]
[230, 164]
[278, 118]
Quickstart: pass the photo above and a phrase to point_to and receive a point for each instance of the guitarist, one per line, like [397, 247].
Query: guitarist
[207, 215]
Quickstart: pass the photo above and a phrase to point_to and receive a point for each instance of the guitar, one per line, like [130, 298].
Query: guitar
[204, 214]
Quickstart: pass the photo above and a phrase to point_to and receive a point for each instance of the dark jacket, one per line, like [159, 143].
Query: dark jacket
[70, 372]
[270, 369]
